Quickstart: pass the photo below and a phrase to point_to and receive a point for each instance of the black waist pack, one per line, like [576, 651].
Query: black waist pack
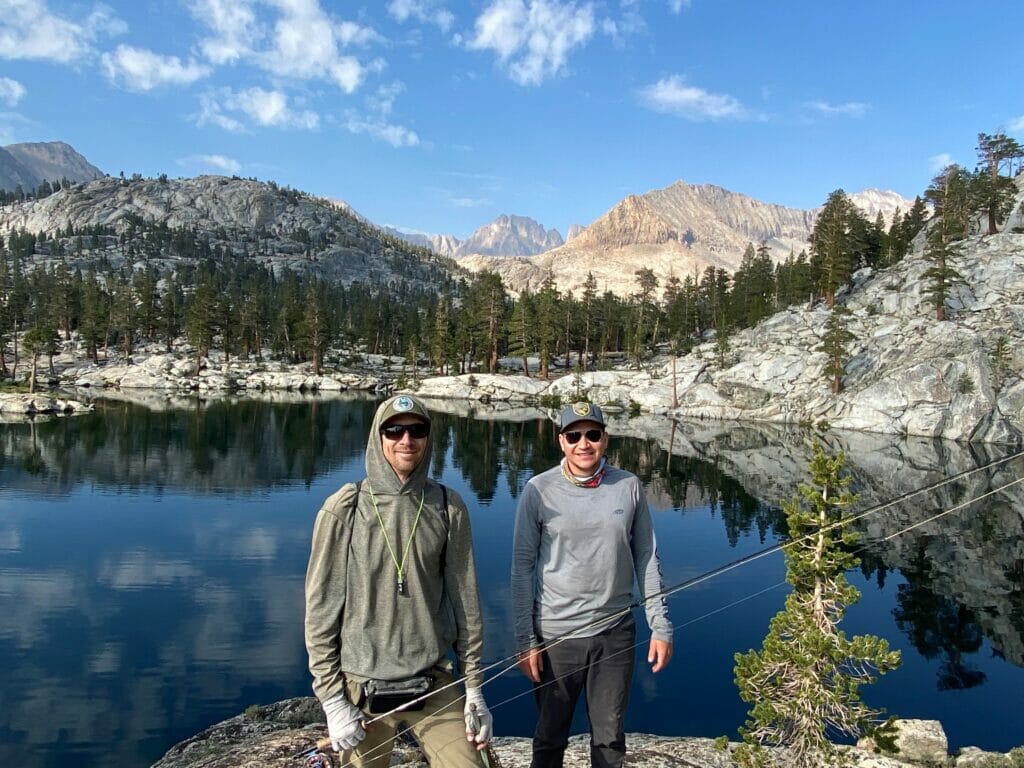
[385, 695]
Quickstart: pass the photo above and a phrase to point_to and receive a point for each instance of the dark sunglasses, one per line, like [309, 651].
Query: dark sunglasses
[416, 431]
[592, 435]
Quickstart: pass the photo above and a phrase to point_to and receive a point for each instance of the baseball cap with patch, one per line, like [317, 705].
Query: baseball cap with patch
[581, 411]
[402, 405]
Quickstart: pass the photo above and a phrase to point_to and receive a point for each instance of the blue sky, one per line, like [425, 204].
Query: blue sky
[437, 116]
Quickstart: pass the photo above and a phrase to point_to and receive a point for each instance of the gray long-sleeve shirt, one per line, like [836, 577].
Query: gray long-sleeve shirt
[576, 552]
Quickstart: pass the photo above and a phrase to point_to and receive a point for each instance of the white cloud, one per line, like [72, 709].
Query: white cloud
[938, 162]
[11, 91]
[533, 41]
[222, 162]
[234, 25]
[30, 30]
[674, 96]
[395, 135]
[427, 11]
[676, 6]
[271, 108]
[849, 109]
[305, 44]
[1016, 125]
[217, 162]
[302, 41]
[140, 70]
[260, 106]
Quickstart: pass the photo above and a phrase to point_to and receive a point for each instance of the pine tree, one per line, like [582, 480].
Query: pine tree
[546, 312]
[315, 331]
[834, 344]
[806, 679]
[645, 312]
[834, 244]
[520, 334]
[93, 324]
[949, 193]
[995, 193]
[588, 308]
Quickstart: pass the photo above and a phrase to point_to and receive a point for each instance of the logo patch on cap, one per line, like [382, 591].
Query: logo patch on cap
[581, 409]
[402, 404]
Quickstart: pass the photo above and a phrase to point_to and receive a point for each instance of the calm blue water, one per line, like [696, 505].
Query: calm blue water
[151, 568]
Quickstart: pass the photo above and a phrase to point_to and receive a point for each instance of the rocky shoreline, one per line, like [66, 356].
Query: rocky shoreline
[269, 736]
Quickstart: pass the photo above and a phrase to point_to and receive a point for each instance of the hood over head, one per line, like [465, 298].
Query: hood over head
[379, 472]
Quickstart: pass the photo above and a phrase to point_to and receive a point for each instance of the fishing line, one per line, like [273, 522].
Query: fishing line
[708, 575]
[765, 590]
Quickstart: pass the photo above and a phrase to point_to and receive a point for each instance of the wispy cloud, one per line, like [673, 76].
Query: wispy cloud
[629, 23]
[11, 91]
[533, 41]
[938, 162]
[140, 70]
[217, 162]
[427, 11]
[848, 109]
[30, 30]
[395, 135]
[377, 123]
[263, 107]
[676, 6]
[674, 96]
[1016, 125]
[468, 202]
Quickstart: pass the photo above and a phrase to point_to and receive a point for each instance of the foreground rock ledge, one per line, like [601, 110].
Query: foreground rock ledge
[268, 736]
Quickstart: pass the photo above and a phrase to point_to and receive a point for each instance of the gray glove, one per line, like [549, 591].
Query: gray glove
[344, 723]
[479, 720]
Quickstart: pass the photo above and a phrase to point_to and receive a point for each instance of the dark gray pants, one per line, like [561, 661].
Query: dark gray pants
[602, 666]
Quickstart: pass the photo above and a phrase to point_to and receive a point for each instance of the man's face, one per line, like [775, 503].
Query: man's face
[405, 453]
[583, 457]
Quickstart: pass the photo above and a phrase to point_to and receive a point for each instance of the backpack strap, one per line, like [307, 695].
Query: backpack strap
[447, 526]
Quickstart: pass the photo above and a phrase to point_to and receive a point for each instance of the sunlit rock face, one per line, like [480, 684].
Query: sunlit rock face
[679, 230]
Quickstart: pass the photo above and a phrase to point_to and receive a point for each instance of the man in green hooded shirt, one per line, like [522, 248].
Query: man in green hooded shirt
[390, 588]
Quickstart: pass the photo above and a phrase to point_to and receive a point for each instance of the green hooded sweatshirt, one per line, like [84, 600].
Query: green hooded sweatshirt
[356, 621]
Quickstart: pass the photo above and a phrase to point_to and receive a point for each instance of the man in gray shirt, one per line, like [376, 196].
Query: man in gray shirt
[582, 534]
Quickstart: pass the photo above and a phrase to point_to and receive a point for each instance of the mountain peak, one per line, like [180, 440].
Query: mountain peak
[36, 162]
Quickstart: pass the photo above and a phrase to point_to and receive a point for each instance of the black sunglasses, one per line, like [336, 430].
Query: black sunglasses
[592, 435]
[416, 431]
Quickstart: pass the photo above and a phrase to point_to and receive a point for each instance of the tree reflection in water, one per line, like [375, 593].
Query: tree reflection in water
[938, 627]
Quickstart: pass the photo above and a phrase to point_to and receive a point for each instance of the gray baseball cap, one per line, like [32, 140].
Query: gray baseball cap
[581, 411]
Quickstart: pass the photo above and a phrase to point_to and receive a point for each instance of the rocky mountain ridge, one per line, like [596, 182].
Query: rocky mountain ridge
[505, 236]
[279, 227]
[29, 164]
[679, 230]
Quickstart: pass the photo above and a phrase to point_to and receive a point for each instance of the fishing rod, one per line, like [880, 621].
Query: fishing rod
[700, 578]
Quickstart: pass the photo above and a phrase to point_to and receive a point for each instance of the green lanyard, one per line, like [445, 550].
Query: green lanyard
[399, 566]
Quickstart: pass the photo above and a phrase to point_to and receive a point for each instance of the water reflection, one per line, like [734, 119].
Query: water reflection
[151, 564]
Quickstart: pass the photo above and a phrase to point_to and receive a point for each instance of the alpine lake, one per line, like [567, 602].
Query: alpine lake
[152, 559]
